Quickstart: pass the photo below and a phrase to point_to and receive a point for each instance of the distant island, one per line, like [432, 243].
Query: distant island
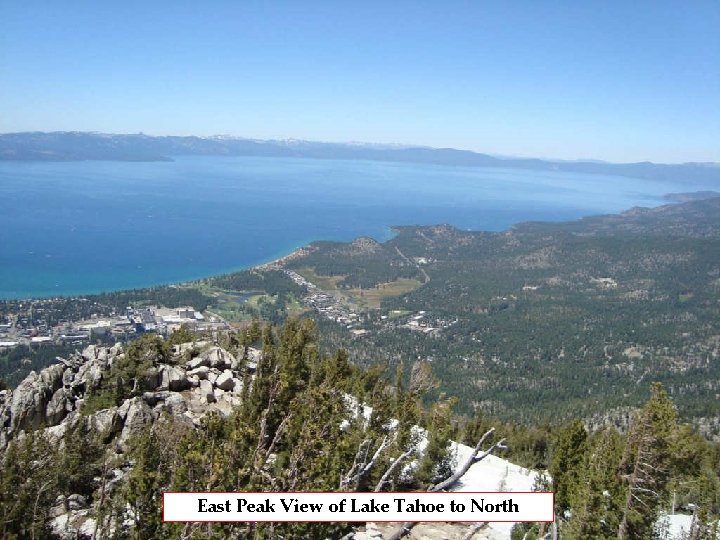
[80, 146]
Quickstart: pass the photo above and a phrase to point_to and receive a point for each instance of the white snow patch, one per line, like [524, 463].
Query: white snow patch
[493, 474]
[673, 526]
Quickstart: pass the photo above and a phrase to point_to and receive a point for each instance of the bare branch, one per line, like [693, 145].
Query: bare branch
[474, 457]
[372, 461]
[363, 468]
[645, 490]
[276, 438]
[384, 480]
[348, 477]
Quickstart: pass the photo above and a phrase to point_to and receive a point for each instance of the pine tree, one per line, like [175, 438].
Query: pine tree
[27, 488]
[567, 457]
[78, 460]
[595, 503]
[645, 468]
[144, 485]
[436, 463]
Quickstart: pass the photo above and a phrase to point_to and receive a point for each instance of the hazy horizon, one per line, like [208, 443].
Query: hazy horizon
[563, 81]
[364, 143]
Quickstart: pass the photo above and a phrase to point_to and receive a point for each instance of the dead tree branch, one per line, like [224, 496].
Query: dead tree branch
[475, 457]
[385, 477]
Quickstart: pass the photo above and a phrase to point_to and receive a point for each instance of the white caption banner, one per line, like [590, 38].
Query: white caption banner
[455, 506]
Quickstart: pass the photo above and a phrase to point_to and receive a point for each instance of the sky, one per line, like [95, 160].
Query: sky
[613, 80]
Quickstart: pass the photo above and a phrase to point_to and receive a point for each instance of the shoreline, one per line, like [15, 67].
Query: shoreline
[274, 264]
[277, 263]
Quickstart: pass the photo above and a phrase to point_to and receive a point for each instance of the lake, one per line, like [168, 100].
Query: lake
[71, 228]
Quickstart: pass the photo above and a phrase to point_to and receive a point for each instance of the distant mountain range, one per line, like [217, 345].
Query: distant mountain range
[80, 146]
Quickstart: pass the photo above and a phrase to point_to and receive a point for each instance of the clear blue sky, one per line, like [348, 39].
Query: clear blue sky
[615, 80]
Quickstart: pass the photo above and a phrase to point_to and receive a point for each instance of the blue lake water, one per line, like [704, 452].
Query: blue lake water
[82, 227]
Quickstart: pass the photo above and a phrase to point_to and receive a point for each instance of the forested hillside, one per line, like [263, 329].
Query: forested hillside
[546, 319]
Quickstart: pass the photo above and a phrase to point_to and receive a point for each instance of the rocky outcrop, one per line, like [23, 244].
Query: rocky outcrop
[183, 349]
[46, 398]
[30, 400]
[53, 400]
[71, 518]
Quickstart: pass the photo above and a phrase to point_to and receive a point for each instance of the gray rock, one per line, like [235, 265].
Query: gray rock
[197, 362]
[29, 402]
[225, 380]
[5, 408]
[115, 359]
[52, 376]
[59, 526]
[57, 407]
[104, 356]
[253, 358]
[200, 372]
[175, 404]
[89, 375]
[76, 502]
[106, 422]
[137, 416]
[90, 353]
[57, 432]
[115, 477]
[183, 348]
[226, 402]
[58, 508]
[173, 378]
[87, 529]
[73, 525]
[218, 358]
[123, 410]
[152, 398]
[68, 377]
[206, 391]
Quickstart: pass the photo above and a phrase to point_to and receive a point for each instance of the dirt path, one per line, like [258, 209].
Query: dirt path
[421, 269]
